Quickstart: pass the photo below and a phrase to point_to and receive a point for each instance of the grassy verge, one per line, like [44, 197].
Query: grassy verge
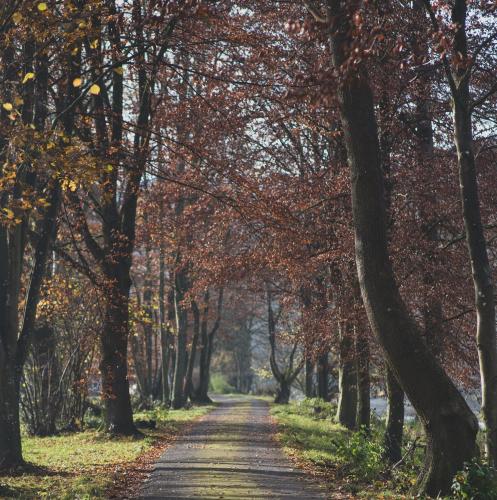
[85, 465]
[350, 462]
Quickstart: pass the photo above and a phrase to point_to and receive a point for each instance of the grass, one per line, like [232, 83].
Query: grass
[351, 462]
[84, 465]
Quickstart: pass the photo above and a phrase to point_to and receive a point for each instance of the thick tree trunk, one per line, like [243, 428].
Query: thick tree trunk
[323, 371]
[283, 393]
[202, 394]
[395, 419]
[363, 382]
[10, 434]
[114, 366]
[347, 380]
[449, 424]
[309, 379]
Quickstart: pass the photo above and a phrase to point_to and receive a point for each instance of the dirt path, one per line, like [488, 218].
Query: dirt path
[230, 453]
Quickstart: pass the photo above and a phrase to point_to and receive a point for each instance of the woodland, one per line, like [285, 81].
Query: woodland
[188, 184]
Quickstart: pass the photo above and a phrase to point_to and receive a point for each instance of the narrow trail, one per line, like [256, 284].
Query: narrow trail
[230, 453]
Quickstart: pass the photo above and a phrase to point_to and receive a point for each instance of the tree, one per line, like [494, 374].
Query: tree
[459, 71]
[450, 425]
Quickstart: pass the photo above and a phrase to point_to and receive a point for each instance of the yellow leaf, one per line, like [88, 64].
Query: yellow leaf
[8, 213]
[27, 77]
[18, 101]
[42, 7]
[119, 70]
[75, 51]
[17, 17]
[94, 44]
[109, 168]
[7, 106]
[95, 89]
[77, 82]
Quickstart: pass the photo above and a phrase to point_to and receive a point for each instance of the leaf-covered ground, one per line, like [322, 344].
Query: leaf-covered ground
[89, 464]
[350, 463]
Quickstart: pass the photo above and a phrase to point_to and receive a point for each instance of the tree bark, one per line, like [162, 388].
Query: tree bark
[179, 397]
[395, 419]
[202, 393]
[363, 382]
[193, 352]
[449, 424]
[207, 340]
[10, 436]
[114, 365]
[323, 371]
[164, 331]
[309, 379]
[475, 236]
[283, 393]
[347, 379]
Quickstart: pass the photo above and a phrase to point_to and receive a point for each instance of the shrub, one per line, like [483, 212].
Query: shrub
[477, 481]
[220, 385]
[364, 452]
[316, 408]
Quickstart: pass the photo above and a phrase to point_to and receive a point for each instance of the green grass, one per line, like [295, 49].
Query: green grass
[349, 460]
[82, 465]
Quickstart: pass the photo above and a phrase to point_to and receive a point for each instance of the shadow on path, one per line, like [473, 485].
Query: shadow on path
[229, 454]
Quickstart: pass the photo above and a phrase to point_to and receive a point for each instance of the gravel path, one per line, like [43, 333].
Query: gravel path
[230, 453]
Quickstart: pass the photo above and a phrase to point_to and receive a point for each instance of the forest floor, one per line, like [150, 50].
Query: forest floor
[230, 453]
[89, 464]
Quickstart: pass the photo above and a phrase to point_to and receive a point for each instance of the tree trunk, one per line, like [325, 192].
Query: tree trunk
[283, 393]
[114, 366]
[180, 365]
[148, 331]
[193, 352]
[475, 236]
[202, 395]
[323, 370]
[179, 397]
[347, 380]
[395, 419]
[309, 379]
[207, 340]
[164, 330]
[449, 424]
[363, 382]
[10, 435]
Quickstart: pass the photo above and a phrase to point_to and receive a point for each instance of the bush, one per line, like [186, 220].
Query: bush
[364, 452]
[316, 408]
[477, 481]
[220, 385]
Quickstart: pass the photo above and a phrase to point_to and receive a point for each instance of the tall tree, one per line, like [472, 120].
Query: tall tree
[449, 424]
[459, 71]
